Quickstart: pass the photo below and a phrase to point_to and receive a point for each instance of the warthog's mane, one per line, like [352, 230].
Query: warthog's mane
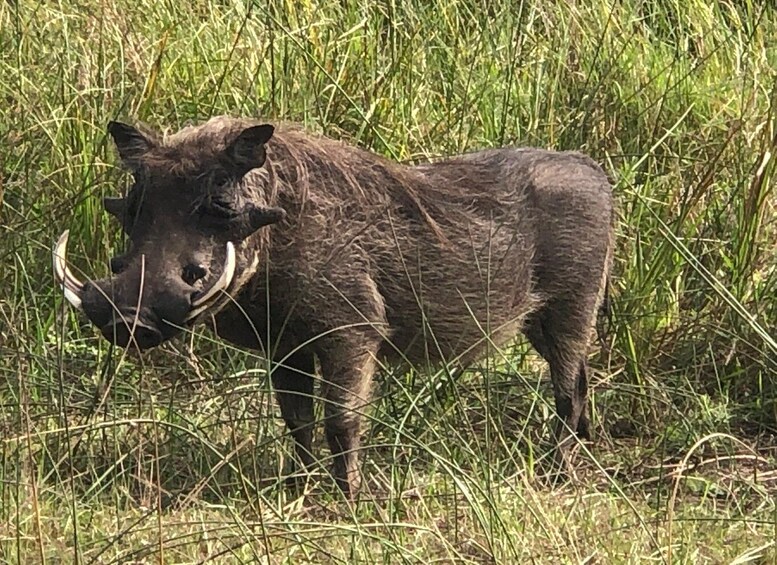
[302, 165]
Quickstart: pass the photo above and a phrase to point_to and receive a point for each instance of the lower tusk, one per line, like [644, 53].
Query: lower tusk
[71, 286]
[73, 298]
[200, 303]
[196, 312]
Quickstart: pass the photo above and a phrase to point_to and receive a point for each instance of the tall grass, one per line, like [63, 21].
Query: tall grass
[175, 456]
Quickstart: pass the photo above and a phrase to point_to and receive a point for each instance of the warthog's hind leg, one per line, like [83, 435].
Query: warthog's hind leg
[561, 336]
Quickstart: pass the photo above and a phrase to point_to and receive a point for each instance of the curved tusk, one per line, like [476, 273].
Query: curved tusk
[71, 286]
[199, 304]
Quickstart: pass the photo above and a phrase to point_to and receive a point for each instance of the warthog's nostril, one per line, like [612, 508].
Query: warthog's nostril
[144, 335]
[192, 273]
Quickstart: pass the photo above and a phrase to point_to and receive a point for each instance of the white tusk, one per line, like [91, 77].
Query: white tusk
[196, 312]
[71, 286]
[199, 304]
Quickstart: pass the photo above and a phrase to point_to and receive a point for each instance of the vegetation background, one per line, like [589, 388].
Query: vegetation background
[175, 456]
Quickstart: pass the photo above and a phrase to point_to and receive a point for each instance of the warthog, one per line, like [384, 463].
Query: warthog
[308, 248]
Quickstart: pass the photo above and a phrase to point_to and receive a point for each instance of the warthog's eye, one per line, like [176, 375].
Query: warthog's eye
[220, 180]
[217, 208]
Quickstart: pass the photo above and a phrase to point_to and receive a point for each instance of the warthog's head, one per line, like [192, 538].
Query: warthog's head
[190, 216]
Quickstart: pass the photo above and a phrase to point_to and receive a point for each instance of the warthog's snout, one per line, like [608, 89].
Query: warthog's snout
[143, 316]
[157, 319]
[128, 327]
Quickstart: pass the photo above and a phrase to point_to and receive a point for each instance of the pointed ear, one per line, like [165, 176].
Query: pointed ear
[247, 151]
[131, 143]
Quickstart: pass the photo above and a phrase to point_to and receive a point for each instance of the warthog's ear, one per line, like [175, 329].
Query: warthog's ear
[247, 152]
[131, 143]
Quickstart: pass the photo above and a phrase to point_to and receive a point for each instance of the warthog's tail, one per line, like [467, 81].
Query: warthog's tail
[605, 311]
[603, 328]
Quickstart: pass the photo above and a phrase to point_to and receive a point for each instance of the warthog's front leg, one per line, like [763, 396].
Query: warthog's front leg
[346, 392]
[293, 383]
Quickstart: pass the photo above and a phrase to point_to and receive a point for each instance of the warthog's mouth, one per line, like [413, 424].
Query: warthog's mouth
[74, 288]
